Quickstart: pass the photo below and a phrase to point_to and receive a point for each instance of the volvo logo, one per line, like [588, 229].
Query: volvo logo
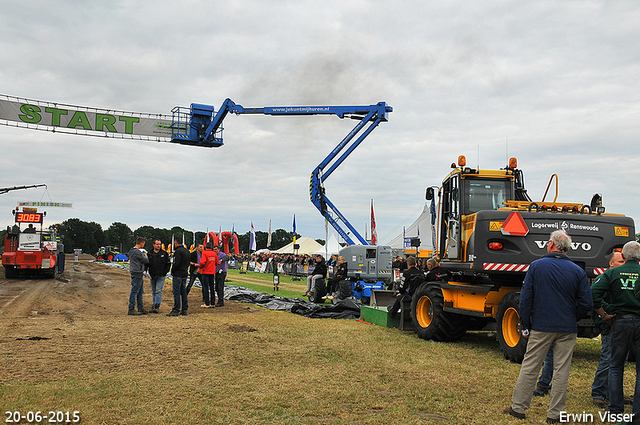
[575, 246]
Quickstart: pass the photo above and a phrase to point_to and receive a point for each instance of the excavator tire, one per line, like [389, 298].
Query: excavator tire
[509, 334]
[430, 321]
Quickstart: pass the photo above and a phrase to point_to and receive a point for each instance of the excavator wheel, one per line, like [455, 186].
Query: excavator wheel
[430, 320]
[510, 338]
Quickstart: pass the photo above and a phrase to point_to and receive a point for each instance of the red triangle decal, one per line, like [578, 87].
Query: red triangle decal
[514, 225]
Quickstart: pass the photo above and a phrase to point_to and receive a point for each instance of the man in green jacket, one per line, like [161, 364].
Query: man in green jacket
[623, 314]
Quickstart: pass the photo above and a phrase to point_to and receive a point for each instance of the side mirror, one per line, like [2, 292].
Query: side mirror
[429, 194]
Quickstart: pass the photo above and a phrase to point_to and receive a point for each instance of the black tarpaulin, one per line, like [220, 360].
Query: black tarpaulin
[345, 309]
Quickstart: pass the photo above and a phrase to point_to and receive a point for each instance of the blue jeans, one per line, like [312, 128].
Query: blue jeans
[157, 283]
[208, 288]
[625, 334]
[180, 294]
[136, 291]
[544, 383]
[600, 386]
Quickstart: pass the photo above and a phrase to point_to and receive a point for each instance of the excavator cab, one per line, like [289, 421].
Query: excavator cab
[465, 192]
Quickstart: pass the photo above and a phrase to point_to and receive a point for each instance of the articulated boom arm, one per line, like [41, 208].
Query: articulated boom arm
[4, 190]
[202, 126]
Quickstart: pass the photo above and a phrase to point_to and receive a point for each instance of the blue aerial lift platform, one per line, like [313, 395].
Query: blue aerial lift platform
[201, 125]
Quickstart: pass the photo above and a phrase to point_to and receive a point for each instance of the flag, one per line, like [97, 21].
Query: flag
[252, 239]
[220, 237]
[294, 229]
[374, 234]
[326, 238]
[269, 236]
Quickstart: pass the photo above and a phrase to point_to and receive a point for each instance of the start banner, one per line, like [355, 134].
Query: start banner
[83, 120]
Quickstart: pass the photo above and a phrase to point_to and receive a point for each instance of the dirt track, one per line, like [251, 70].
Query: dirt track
[84, 289]
[62, 327]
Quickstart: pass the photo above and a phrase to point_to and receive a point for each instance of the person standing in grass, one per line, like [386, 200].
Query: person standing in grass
[622, 288]
[137, 262]
[194, 268]
[159, 266]
[555, 295]
[221, 274]
[208, 263]
[179, 274]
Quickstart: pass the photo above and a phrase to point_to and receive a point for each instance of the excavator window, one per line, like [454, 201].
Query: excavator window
[486, 194]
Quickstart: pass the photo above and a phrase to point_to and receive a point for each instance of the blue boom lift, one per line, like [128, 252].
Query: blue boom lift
[201, 125]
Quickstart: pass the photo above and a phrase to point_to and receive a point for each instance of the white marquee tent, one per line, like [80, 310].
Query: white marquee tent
[331, 247]
[307, 246]
[421, 227]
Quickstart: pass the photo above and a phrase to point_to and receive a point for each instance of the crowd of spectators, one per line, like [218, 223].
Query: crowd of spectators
[287, 264]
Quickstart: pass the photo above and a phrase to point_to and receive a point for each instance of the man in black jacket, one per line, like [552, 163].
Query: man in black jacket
[194, 268]
[319, 272]
[179, 272]
[159, 266]
[412, 278]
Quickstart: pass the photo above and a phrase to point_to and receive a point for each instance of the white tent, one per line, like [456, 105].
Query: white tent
[331, 247]
[307, 246]
[421, 227]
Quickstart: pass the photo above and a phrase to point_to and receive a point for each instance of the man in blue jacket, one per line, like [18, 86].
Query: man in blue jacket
[555, 294]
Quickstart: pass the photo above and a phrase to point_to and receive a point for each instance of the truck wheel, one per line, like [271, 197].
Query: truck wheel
[510, 338]
[429, 318]
[10, 272]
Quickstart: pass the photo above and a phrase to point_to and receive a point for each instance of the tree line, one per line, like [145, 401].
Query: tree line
[89, 236]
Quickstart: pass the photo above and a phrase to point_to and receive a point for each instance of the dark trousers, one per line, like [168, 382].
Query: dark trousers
[180, 294]
[208, 289]
[220, 277]
[192, 278]
[625, 336]
[402, 298]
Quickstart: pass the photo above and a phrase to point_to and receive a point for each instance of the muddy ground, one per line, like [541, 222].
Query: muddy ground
[48, 326]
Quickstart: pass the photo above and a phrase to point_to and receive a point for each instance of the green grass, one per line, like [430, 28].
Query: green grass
[243, 364]
[263, 282]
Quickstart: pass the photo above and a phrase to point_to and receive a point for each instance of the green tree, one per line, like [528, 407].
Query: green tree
[280, 238]
[87, 236]
[119, 235]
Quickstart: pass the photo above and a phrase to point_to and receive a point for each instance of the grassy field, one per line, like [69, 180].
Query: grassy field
[249, 365]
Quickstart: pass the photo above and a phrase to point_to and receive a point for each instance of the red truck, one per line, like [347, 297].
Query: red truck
[28, 248]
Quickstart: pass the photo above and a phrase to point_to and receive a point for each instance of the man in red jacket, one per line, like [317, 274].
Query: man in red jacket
[208, 262]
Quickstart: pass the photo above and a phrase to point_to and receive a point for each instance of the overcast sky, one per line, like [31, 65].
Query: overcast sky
[554, 83]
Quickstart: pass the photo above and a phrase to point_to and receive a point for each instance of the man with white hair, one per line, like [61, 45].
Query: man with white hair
[623, 314]
[555, 294]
